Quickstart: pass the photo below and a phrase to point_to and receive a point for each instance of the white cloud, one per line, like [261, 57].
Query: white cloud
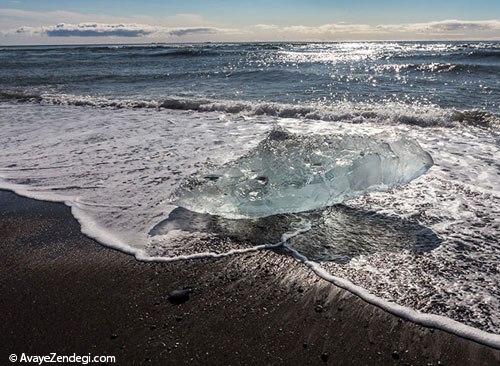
[265, 26]
[89, 30]
[463, 25]
[180, 32]
[443, 28]
[112, 30]
[21, 26]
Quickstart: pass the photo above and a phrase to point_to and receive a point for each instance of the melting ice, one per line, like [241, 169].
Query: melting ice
[289, 172]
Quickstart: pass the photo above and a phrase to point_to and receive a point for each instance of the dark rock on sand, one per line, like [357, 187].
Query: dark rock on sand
[324, 357]
[180, 296]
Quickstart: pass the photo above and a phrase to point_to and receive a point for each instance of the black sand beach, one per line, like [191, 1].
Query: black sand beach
[63, 292]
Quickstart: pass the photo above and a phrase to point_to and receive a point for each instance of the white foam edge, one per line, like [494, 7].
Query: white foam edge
[91, 229]
[284, 238]
[428, 320]
[94, 231]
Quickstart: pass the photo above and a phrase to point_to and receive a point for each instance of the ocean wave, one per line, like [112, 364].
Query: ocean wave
[381, 113]
[431, 67]
[464, 54]
[97, 47]
[482, 53]
[152, 50]
[438, 67]
[178, 52]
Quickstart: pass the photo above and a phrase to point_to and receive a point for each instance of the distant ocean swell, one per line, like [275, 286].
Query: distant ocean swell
[381, 113]
[436, 67]
[459, 53]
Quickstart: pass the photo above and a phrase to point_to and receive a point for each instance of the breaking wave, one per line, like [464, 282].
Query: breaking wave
[379, 113]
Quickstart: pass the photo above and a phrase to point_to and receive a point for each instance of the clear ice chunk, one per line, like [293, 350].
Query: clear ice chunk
[290, 173]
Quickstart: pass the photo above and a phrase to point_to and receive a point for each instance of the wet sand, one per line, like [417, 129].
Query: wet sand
[63, 292]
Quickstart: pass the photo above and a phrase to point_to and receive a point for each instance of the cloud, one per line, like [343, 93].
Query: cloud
[190, 31]
[24, 23]
[265, 26]
[29, 27]
[463, 25]
[113, 30]
[92, 30]
[333, 31]
[444, 27]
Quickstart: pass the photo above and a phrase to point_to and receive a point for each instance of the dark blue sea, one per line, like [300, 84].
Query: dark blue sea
[306, 79]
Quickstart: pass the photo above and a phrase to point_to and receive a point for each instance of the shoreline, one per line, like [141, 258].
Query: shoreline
[64, 292]
[91, 229]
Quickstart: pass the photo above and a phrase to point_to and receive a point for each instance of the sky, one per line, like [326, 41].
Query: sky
[132, 21]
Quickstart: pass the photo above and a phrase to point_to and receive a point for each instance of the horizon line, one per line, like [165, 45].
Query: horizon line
[248, 42]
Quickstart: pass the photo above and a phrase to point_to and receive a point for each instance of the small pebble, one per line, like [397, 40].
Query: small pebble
[324, 357]
[179, 296]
